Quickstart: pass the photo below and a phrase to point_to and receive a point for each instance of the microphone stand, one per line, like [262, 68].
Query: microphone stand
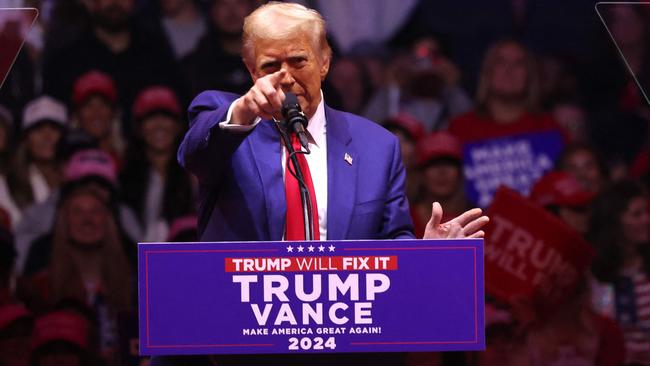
[305, 196]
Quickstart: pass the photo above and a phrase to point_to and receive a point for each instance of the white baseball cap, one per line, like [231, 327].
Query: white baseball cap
[43, 109]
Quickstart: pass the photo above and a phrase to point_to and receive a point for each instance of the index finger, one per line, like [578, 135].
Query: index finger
[467, 216]
[276, 77]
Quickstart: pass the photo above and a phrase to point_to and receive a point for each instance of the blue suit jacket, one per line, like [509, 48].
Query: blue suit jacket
[241, 192]
[242, 195]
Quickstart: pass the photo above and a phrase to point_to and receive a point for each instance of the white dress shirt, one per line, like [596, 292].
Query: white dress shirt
[317, 159]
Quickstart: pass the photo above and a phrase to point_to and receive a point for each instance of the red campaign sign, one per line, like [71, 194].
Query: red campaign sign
[14, 27]
[530, 255]
[311, 264]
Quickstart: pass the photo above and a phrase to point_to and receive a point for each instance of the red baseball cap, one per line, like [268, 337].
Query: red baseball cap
[5, 220]
[61, 326]
[438, 145]
[11, 312]
[92, 162]
[408, 123]
[494, 315]
[181, 225]
[156, 99]
[94, 83]
[561, 189]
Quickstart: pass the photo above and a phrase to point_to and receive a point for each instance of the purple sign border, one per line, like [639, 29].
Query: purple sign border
[475, 245]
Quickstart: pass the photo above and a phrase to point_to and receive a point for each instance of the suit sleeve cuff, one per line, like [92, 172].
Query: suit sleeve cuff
[228, 124]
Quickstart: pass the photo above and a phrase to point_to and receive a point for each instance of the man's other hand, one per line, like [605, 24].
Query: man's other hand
[466, 225]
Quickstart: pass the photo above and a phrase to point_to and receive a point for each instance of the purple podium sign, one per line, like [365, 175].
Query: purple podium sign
[311, 297]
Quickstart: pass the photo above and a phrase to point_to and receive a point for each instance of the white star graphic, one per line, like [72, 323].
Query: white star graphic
[310, 248]
[289, 248]
[321, 248]
[300, 248]
[331, 248]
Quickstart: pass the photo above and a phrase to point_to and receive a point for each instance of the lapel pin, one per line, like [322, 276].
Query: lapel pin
[348, 158]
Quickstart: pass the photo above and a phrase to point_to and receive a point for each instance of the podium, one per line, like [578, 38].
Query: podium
[311, 297]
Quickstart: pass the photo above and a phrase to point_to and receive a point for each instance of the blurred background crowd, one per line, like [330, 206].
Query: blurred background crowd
[94, 108]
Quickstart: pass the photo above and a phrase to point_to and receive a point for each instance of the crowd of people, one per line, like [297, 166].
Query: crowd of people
[93, 111]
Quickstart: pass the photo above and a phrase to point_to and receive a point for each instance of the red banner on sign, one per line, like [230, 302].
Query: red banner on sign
[531, 255]
[14, 27]
[311, 264]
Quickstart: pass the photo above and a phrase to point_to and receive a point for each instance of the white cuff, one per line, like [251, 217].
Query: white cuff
[229, 126]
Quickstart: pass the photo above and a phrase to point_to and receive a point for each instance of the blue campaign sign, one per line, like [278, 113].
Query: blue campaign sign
[311, 297]
[516, 161]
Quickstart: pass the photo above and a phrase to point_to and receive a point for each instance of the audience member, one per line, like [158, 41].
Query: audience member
[351, 82]
[440, 159]
[87, 265]
[61, 338]
[572, 118]
[585, 165]
[34, 171]
[183, 229]
[89, 168]
[153, 183]
[630, 30]
[7, 259]
[424, 83]
[6, 138]
[575, 335]
[116, 46]
[183, 26]
[562, 195]
[94, 97]
[217, 64]
[16, 324]
[6, 151]
[507, 98]
[619, 232]
[409, 131]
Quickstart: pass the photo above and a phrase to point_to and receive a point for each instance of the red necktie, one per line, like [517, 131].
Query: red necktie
[295, 229]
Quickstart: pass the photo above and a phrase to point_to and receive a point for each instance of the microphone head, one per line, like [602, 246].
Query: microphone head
[290, 101]
[292, 112]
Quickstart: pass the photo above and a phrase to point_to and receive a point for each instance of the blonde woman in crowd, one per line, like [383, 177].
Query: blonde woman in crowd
[34, 171]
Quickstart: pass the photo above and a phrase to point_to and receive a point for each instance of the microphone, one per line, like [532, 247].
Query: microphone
[295, 120]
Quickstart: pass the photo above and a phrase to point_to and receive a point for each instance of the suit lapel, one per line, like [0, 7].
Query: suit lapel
[265, 145]
[341, 175]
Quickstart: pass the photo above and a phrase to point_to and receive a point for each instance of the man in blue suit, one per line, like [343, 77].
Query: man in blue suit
[234, 148]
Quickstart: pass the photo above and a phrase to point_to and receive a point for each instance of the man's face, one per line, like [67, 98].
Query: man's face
[576, 217]
[305, 66]
[87, 220]
[95, 117]
[442, 179]
[228, 15]
[112, 15]
[173, 7]
[509, 74]
[584, 167]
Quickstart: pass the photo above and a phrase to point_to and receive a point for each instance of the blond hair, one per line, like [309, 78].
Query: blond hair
[66, 279]
[275, 20]
[484, 91]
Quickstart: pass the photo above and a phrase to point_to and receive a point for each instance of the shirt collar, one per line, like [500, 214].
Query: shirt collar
[317, 125]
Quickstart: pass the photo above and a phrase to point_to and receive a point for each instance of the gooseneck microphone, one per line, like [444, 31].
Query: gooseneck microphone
[295, 122]
[295, 119]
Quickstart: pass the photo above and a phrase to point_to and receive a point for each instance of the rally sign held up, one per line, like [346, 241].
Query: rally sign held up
[311, 297]
[530, 255]
[515, 161]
